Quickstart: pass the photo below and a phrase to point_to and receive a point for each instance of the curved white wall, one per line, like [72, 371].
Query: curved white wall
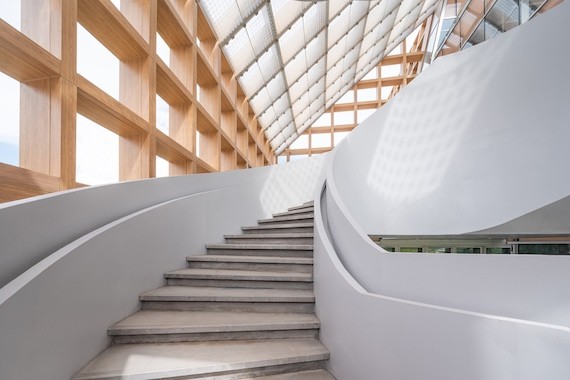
[54, 317]
[32, 229]
[372, 336]
[480, 138]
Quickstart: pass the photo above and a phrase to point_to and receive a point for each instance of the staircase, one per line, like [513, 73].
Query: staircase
[244, 310]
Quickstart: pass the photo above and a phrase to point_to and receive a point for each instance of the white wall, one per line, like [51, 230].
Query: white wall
[372, 336]
[54, 316]
[32, 229]
[480, 138]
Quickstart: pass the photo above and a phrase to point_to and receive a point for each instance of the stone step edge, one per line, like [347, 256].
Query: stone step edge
[291, 235]
[251, 259]
[254, 275]
[276, 247]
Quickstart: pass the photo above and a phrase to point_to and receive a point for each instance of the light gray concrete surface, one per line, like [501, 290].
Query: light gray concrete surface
[154, 361]
[205, 294]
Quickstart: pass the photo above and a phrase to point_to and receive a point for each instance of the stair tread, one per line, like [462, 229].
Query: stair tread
[273, 236]
[306, 210]
[279, 226]
[163, 360]
[211, 294]
[181, 322]
[252, 259]
[239, 274]
[317, 374]
[287, 217]
[290, 247]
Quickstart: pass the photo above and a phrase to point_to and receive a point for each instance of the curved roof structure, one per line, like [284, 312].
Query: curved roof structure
[294, 59]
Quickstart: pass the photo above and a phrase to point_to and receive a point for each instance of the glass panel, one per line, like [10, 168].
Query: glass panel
[224, 15]
[390, 71]
[321, 140]
[544, 249]
[97, 153]
[503, 16]
[367, 94]
[438, 250]
[259, 31]
[269, 63]
[162, 49]
[239, 51]
[162, 167]
[373, 74]
[295, 157]
[281, 160]
[501, 251]
[469, 250]
[96, 63]
[10, 116]
[344, 117]
[162, 119]
[469, 18]
[410, 249]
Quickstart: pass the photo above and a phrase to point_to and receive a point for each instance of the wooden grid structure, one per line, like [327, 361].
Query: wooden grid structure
[204, 98]
[410, 62]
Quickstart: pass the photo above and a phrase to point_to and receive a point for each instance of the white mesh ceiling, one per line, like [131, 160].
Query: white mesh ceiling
[294, 58]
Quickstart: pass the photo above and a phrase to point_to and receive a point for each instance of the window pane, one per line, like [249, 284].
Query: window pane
[367, 94]
[10, 115]
[302, 142]
[338, 136]
[162, 167]
[343, 117]
[321, 140]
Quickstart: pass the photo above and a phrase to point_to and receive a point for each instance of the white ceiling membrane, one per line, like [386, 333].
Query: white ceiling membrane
[294, 59]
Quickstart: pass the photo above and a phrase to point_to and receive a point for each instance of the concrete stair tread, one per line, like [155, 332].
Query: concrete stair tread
[287, 218]
[211, 294]
[270, 236]
[306, 210]
[280, 226]
[169, 360]
[317, 374]
[252, 259]
[288, 247]
[306, 205]
[240, 275]
[181, 322]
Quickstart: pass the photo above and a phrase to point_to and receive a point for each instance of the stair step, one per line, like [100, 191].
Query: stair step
[263, 263]
[302, 211]
[285, 228]
[151, 326]
[239, 278]
[301, 207]
[229, 299]
[316, 374]
[288, 218]
[202, 359]
[285, 238]
[292, 250]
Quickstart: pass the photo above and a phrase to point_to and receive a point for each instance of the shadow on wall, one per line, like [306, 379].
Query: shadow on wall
[292, 183]
[420, 136]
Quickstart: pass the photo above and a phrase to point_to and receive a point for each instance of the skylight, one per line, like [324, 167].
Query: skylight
[294, 59]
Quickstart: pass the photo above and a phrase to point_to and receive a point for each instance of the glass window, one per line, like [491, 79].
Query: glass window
[544, 249]
[438, 250]
[410, 249]
[96, 63]
[97, 153]
[478, 35]
[494, 250]
[10, 115]
[470, 18]
[321, 140]
[302, 142]
[367, 94]
[344, 117]
[323, 121]
[390, 71]
[503, 16]
[372, 74]
[385, 92]
[162, 167]
[281, 159]
[469, 250]
[162, 49]
[162, 119]
[295, 157]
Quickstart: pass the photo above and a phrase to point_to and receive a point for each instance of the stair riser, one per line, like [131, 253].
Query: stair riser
[270, 241]
[264, 371]
[240, 284]
[215, 336]
[279, 230]
[298, 268]
[260, 252]
[311, 205]
[260, 307]
[309, 212]
[286, 220]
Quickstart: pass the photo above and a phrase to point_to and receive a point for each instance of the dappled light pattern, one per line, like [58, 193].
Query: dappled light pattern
[291, 184]
[422, 132]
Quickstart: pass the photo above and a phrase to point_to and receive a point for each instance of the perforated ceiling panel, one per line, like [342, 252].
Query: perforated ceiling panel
[294, 59]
